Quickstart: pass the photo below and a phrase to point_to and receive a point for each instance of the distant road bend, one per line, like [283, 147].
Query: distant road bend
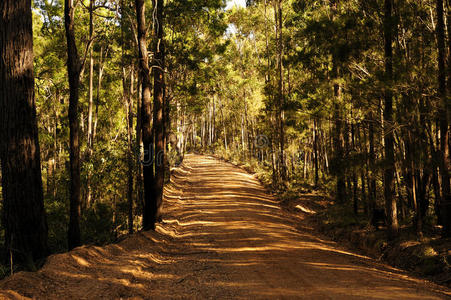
[222, 237]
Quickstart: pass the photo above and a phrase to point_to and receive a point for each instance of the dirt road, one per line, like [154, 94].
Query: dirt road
[222, 237]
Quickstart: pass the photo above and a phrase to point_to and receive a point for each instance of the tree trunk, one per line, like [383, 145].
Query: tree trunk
[315, 151]
[24, 217]
[146, 116]
[74, 68]
[99, 87]
[55, 143]
[435, 175]
[338, 144]
[166, 132]
[364, 166]
[372, 191]
[127, 92]
[280, 94]
[158, 112]
[354, 173]
[129, 106]
[221, 107]
[138, 141]
[213, 124]
[443, 120]
[90, 105]
[390, 201]
[243, 146]
[91, 78]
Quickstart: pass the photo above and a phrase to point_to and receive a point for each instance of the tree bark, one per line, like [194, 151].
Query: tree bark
[127, 97]
[90, 104]
[372, 191]
[129, 106]
[158, 112]
[146, 116]
[443, 121]
[91, 78]
[280, 93]
[99, 87]
[390, 201]
[354, 173]
[315, 151]
[23, 217]
[74, 69]
[138, 150]
[338, 145]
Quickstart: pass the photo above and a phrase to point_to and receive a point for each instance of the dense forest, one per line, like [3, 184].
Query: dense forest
[100, 100]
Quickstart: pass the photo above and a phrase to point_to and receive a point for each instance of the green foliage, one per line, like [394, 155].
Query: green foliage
[57, 220]
[97, 224]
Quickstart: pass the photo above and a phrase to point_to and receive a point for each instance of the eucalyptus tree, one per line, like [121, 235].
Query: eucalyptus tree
[24, 218]
[146, 115]
[443, 119]
[390, 202]
[74, 70]
[158, 69]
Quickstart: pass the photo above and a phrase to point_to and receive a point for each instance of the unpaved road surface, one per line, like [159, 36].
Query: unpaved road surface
[222, 237]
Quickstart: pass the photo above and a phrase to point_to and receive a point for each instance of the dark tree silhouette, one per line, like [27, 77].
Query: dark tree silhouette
[390, 201]
[158, 110]
[23, 208]
[146, 116]
[443, 121]
[74, 69]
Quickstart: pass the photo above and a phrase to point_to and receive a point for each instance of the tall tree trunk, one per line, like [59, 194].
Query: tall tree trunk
[213, 124]
[372, 191]
[166, 132]
[280, 93]
[337, 134]
[364, 167]
[129, 106]
[158, 112]
[91, 77]
[246, 129]
[138, 141]
[315, 150]
[146, 116]
[74, 69]
[55, 144]
[24, 217]
[243, 146]
[127, 92]
[435, 175]
[338, 145]
[390, 201]
[443, 120]
[354, 173]
[90, 103]
[221, 107]
[99, 87]
[424, 172]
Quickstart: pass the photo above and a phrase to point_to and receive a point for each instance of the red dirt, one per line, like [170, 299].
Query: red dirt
[222, 236]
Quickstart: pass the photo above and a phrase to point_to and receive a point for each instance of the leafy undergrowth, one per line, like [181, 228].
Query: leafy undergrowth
[429, 257]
